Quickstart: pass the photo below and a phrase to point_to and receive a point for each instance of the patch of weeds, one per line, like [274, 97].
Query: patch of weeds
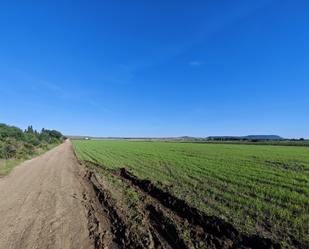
[7, 165]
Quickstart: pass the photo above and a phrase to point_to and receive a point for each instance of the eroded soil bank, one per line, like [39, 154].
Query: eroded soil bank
[146, 216]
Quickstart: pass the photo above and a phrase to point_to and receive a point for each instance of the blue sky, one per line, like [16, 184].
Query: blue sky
[156, 68]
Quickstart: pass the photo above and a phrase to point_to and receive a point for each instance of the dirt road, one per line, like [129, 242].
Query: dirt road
[41, 204]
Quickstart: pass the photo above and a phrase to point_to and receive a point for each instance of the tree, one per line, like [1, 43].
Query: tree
[10, 131]
[29, 129]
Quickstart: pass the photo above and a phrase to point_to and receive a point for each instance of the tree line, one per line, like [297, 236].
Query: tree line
[18, 143]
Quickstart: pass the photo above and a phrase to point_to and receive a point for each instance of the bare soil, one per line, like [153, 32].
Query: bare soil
[42, 203]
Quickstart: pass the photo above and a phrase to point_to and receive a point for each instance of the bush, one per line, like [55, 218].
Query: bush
[10, 131]
[20, 144]
[2, 154]
[9, 148]
[31, 138]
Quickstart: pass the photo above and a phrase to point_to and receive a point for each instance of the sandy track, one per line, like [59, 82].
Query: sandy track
[41, 204]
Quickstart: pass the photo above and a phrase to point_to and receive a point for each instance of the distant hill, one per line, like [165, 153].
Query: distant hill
[264, 137]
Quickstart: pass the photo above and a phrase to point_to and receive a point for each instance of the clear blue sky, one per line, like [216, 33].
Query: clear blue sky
[156, 68]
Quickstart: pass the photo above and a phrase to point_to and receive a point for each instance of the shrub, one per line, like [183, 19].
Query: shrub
[20, 144]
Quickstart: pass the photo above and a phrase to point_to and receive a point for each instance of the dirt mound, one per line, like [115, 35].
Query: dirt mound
[171, 222]
[217, 232]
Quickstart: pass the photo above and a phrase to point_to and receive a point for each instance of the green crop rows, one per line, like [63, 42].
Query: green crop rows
[260, 189]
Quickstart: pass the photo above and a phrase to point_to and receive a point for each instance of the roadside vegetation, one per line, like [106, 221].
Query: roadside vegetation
[260, 189]
[17, 145]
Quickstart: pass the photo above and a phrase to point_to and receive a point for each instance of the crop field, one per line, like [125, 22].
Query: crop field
[260, 189]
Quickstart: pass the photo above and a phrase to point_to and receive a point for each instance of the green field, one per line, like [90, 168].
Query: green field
[261, 189]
